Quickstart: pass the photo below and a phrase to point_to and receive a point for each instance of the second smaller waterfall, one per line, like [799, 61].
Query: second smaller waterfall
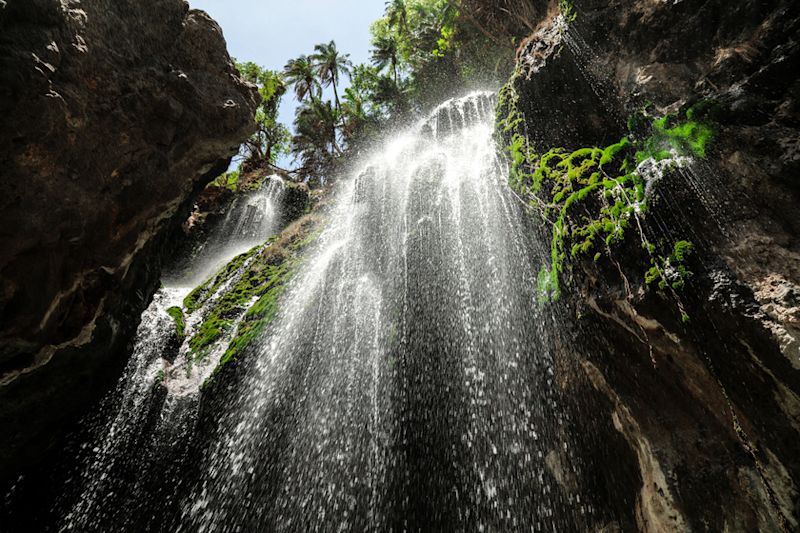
[250, 219]
[139, 436]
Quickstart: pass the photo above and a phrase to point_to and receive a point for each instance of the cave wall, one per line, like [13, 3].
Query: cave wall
[709, 403]
[116, 113]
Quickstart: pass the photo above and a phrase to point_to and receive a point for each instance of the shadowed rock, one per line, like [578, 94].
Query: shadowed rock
[114, 114]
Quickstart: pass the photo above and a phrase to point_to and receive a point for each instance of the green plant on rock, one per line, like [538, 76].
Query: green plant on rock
[254, 283]
[671, 271]
[228, 180]
[258, 317]
[567, 10]
[200, 295]
[576, 184]
[592, 195]
[690, 135]
[259, 278]
[180, 324]
[510, 125]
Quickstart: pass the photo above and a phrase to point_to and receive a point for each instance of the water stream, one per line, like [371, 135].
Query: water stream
[407, 383]
[142, 429]
[248, 221]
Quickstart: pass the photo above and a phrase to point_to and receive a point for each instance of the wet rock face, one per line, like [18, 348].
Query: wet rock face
[709, 408]
[114, 114]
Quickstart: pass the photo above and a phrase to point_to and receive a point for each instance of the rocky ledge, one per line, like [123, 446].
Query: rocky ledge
[115, 114]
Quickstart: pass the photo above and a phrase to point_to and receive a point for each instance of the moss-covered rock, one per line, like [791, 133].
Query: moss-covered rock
[239, 303]
[195, 299]
[591, 196]
[180, 323]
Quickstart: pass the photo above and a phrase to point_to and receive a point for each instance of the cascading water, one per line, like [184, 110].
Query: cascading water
[249, 220]
[407, 383]
[118, 459]
[140, 434]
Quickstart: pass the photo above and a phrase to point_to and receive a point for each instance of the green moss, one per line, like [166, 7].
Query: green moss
[592, 195]
[691, 135]
[257, 318]
[569, 183]
[671, 271]
[195, 299]
[258, 279]
[180, 324]
[251, 302]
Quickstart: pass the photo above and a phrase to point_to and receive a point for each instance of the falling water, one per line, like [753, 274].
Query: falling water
[249, 220]
[141, 432]
[407, 384]
[115, 463]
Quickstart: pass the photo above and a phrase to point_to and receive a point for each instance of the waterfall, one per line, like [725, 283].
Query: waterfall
[140, 434]
[118, 457]
[250, 219]
[407, 383]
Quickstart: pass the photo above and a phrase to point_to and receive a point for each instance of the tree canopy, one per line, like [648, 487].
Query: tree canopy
[422, 52]
[271, 138]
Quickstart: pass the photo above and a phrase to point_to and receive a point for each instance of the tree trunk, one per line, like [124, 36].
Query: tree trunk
[336, 96]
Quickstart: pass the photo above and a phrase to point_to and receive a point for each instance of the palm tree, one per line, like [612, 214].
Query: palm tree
[300, 73]
[330, 65]
[315, 142]
[384, 53]
[315, 126]
[397, 15]
[354, 108]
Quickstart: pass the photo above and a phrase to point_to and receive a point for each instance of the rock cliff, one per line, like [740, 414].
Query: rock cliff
[115, 114]
[683, 313]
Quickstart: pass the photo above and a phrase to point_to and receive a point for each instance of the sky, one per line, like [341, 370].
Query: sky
[270, 32]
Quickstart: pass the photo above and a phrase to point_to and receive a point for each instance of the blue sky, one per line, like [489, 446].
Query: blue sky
[270, 32]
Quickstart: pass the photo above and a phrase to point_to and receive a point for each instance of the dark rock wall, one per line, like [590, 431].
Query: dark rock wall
[710, 409]
[115, 113]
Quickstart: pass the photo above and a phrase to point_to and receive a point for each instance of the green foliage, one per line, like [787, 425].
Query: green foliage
[300, 74]
[315, 141]
[195, 299]
[330, 65]
[567, 10]
[592, 195]
[180, 324]
[671, 271]
[271, 138]
[421, 48]
[228, 180]
[385, 53]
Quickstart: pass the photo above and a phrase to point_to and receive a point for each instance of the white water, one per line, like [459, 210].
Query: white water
[250, 219]
[116, 432]
[407, 384]
[146, 423]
